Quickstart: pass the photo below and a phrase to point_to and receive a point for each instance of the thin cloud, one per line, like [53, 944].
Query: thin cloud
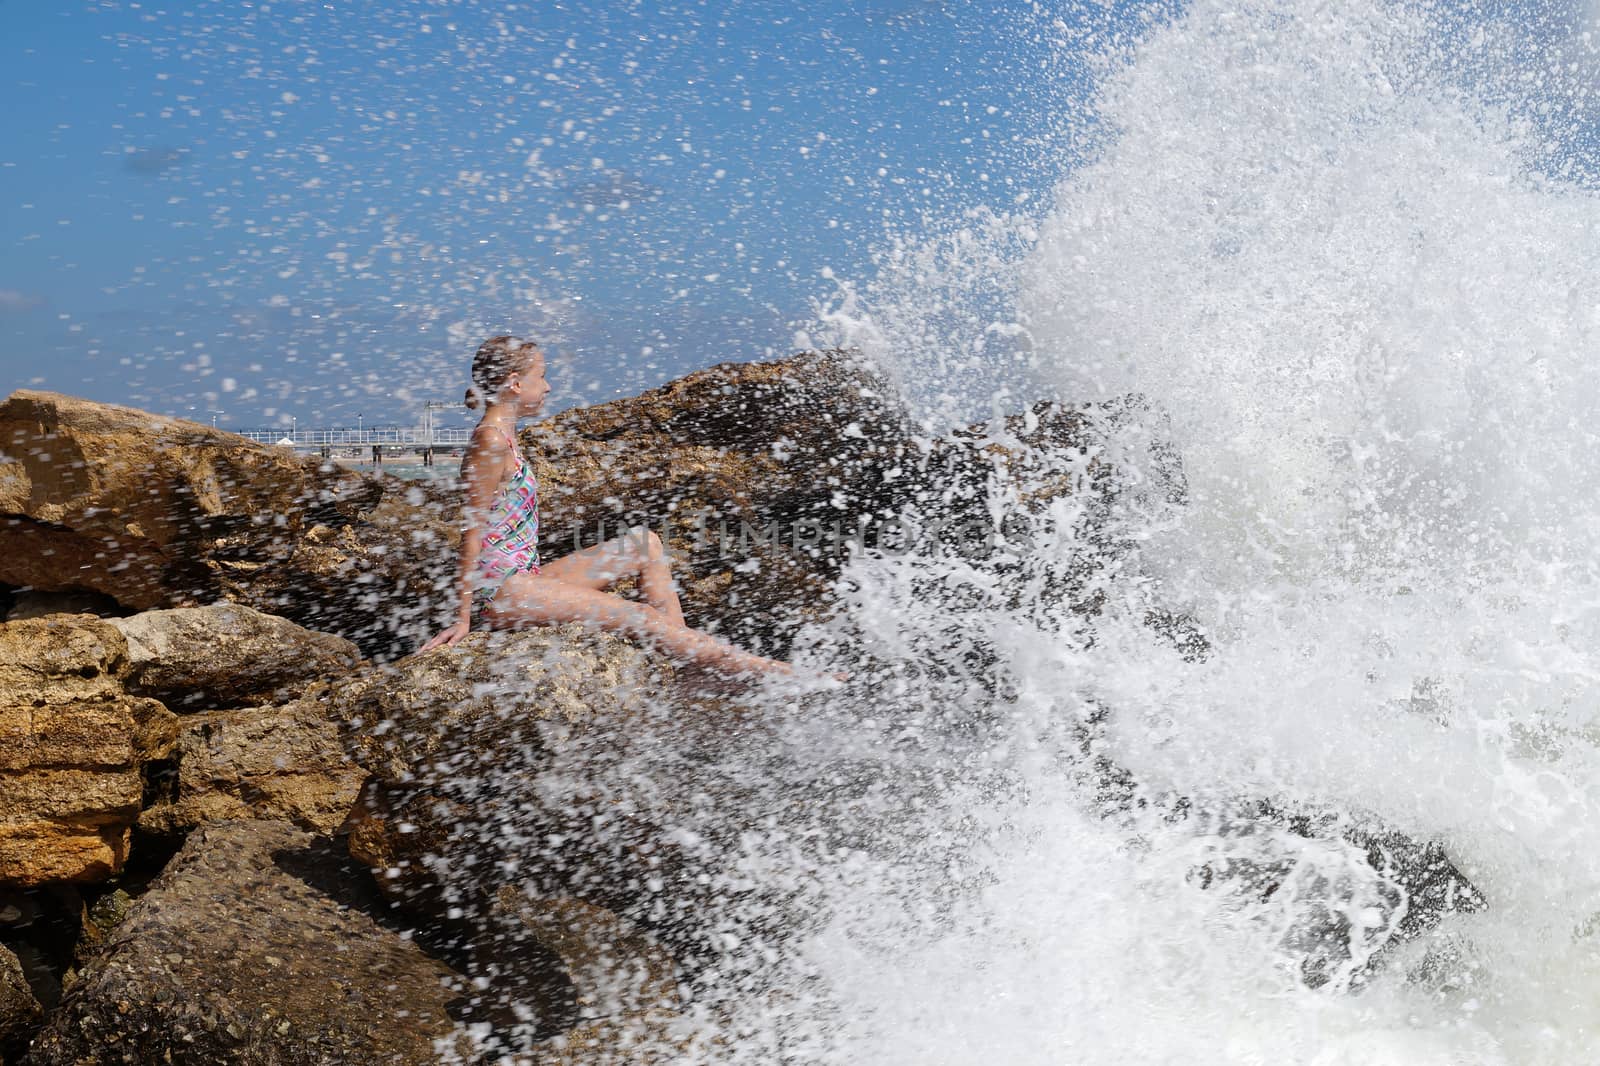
[154, 160]
[13, 301]
[612, 188]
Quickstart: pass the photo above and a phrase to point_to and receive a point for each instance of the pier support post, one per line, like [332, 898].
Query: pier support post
[377, 455]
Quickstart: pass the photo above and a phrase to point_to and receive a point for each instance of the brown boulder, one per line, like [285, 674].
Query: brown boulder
[139, 501]
[53, 660]
[227, 655]
[73, 749]
[162, 512]
[251, 949]
[454, 741]
[492, 696]
[506, 760]
[284, 763]
[565, 762]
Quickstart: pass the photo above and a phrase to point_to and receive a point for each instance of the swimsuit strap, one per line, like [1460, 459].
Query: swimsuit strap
[510, 440]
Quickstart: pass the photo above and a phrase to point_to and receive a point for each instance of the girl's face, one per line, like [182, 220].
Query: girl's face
[528, 384]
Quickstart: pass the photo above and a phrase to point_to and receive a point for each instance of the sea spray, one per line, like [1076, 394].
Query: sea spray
[1327, 249]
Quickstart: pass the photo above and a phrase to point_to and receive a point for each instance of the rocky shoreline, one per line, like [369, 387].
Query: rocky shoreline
[210, 724]
[240, 823]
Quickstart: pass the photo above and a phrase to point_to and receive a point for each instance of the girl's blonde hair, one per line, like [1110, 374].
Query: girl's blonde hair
[497, 359]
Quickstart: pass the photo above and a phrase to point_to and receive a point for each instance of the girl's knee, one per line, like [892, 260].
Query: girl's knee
[647, 542]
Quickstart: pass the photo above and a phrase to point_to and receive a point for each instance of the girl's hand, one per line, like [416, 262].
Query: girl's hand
[448, 637]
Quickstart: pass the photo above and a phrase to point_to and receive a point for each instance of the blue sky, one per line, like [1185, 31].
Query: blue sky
[257, 211]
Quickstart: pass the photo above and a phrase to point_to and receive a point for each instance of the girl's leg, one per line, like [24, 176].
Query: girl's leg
[536, 599]
[638, 552]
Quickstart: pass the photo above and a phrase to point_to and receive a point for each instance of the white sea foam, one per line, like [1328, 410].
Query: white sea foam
[1329, 246]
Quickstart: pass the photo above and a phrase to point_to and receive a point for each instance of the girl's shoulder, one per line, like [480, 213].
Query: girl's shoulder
[493, 440]
[491, 451]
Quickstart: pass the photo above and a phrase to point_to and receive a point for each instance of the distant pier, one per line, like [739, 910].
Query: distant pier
[373, 445]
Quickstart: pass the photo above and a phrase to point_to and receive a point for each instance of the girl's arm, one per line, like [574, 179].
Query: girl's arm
[481, 471]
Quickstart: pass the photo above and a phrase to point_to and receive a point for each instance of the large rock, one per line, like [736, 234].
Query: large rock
[248, 950]
[559, 760]
[162, 512]
[73, 748]
[420, 721]
[455, 741]
[227, 655]
[135, 503]
[284, 763]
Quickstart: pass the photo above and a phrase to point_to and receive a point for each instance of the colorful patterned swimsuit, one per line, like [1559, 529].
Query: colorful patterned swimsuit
[511, 541]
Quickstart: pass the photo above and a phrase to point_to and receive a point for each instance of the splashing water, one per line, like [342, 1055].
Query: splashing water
[1329, 249]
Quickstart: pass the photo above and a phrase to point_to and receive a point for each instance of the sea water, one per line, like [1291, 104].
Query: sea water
[1348, 257]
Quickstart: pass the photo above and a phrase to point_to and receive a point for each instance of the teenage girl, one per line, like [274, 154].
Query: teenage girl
[501, 579]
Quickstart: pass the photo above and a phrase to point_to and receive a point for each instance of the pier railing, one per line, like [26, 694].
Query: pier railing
[386, 437]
